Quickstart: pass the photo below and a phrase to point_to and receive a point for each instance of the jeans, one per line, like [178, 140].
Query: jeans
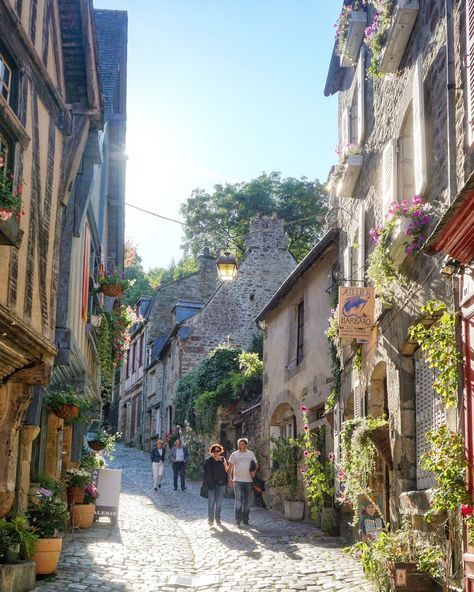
[214, 502]
[179, 468]
[158, 468]
[243, 492]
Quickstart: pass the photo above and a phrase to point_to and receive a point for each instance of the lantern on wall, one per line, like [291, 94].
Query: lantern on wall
[226, 266]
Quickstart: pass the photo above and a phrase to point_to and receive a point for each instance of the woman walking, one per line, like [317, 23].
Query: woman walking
[215, 479]
[158, 464]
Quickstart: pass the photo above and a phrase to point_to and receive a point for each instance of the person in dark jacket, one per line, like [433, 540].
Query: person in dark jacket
[215, 479]
[179, 456]
[158, 464]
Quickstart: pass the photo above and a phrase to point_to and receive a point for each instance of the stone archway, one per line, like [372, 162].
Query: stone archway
[283, 422]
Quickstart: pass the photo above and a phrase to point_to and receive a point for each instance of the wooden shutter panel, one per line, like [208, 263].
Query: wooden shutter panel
[361, 247]
[419, 139]
[470, 69]
[357, 400]
[361, 97]
[347, 266]
[429, 413]
[389, 176]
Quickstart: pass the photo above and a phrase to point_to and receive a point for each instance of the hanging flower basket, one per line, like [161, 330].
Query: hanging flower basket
[67, 411]
[96, 445]
[113, 284]
[113, 290]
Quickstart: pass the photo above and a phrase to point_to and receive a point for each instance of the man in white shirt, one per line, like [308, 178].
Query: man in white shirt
[179, 457]
[241, 479]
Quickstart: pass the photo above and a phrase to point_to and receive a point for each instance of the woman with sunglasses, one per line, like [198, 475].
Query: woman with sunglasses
[215, 479]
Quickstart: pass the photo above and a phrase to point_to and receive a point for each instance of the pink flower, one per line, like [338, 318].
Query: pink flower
[306, 453]
[317, 453]
[467, 510]
[302, 471]
[416, 201]
[306, 427]
[374, 234]
[331, 457]
[5, 214]
[303, 408]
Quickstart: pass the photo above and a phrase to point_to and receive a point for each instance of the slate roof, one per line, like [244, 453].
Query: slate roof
[111, 28]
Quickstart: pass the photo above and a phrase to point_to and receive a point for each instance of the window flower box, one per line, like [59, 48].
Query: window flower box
[10, 233]
[350, 175]
[350, 46]
[398, 34]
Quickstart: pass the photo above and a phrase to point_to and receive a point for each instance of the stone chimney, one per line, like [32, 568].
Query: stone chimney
[267, 233]
[205, 260]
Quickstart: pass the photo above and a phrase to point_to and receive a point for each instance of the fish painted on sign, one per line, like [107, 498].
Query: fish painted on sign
[354, 306]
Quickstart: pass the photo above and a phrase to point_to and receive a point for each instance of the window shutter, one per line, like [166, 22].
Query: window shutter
[470, 70]
[361, 247]
[357, 400]
[361, 97]
[347, 266]
[389, 176]
[345, 128]
[419, 139]
[429, 413]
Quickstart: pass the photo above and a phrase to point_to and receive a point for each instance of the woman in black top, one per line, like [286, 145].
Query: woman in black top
[215, 479]
[158, 464]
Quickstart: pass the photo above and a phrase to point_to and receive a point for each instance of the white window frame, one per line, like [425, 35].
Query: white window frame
[5, 89]
[419, 132]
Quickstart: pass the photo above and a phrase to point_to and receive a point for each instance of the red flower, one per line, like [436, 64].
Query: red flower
[306, 427]
[19, 189]
[303, 408]
[467, 510]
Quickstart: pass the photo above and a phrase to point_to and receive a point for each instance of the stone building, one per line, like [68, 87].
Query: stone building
[228, 317]
[137, 402]
[413, 132]
[50, 99]
[92, 235]
[297, 364]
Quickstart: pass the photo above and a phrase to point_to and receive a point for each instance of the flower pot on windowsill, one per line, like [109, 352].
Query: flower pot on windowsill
[355, 35]
[75, 495]
[47, 555]
[294, 510]
[405, 576]
[398, 34]
[66, 411]
[10, 233]
[350, 175]
[96, 445]
[112, 290]
[82, 516]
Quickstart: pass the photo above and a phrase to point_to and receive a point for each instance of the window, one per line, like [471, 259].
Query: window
[134, 356]
[419, 140]
[300, 334]
[140, 351]
[406, 158]
[5, 80]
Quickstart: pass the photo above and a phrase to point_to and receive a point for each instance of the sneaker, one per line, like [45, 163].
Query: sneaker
[183, 488]
[159, 486]
[211, 522]
[246, 522]
[156, 488]
[238, 522]
[219, 523]
[175, 488]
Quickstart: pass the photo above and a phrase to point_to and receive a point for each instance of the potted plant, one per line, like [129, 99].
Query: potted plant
[65, 402]
[49, 517]
[401, 560]
[11, 197]
[76, 480]
[284, 475]
[82, 515]
[17, 539]
[104, 439]
[113, 283]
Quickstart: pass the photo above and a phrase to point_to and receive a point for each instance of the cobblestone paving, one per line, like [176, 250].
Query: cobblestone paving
[164, 534]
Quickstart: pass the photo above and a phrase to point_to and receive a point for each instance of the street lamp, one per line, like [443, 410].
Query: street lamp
[226, 266]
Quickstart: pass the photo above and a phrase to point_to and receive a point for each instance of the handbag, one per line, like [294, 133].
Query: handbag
[204, 491]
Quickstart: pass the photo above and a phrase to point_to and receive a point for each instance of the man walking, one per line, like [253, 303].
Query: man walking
[240, 477]
[179, 458]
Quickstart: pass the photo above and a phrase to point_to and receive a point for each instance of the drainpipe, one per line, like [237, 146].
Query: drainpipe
[450, 101]
[144, 382]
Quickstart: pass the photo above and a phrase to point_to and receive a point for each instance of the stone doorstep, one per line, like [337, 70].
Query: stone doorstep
[18, 577]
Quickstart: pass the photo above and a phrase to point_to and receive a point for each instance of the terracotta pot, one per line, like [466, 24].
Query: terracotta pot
[406, 577]
[67, 411]
[75, 495]
[96, 445]
[113, 290]
[46, 555]
[83, 515]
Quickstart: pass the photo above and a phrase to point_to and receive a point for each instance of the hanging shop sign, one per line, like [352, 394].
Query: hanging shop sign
[356, 313]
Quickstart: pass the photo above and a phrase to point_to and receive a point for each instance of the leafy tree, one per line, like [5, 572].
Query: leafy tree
[221, 217]
[134, 271]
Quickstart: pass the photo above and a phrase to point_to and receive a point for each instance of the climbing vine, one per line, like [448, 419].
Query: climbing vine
[358, 461]
[439, 347]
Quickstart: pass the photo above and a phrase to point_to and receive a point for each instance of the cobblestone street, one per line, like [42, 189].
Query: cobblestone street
[165, 534]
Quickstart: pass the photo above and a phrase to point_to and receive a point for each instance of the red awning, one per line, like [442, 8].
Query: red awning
[456, 238]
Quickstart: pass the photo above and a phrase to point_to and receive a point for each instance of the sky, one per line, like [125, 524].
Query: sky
[221, 90]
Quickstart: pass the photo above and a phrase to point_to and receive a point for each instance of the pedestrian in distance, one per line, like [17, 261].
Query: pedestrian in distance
[179, 458]
[214, 482]
[158, 464]
[241, 478]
